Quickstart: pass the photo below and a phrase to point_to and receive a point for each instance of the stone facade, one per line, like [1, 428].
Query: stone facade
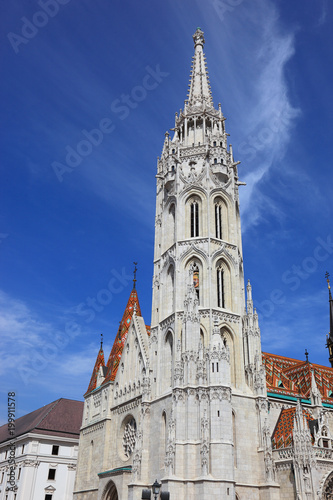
[187, 402]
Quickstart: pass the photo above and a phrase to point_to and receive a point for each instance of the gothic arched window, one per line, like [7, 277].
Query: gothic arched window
[196, 279]
[194, 219]
[218, 221]
[220, 287]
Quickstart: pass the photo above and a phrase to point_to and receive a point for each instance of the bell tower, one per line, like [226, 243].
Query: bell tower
[206, 349]
[198, 264]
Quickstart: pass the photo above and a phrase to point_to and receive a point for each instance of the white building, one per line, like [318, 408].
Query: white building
[46, 446]
[186, 400]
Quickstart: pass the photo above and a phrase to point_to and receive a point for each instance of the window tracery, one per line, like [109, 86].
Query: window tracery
[129, 437]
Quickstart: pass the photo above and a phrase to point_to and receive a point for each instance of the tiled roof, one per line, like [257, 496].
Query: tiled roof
[99, 362]
[119, 342]
[61, 418]
[283, 432]
[291, 377]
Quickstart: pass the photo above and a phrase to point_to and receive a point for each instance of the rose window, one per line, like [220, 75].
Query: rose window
[129, 437]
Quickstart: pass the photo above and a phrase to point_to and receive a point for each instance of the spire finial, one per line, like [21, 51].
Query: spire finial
[327, 276]
[101, 340]
[307, 355]
[134, 273]
[198, 37]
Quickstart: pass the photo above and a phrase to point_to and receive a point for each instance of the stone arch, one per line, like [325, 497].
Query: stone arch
[169, 233]
[169, 289]
[203, 336]
[194, 196]
[220, 217]
[163, 438]
[327, 489]
[229, 339]
[194, 275]
[166, 364]
[110, 492]
[223, 284]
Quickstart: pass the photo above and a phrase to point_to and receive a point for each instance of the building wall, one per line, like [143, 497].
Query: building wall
[32, 467]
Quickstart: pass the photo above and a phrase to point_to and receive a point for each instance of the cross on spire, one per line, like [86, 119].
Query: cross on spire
[306, 355]
[101, 340]
[134, 273]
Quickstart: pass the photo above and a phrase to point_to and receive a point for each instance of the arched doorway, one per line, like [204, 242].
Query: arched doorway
[328, 488]
[110, 492]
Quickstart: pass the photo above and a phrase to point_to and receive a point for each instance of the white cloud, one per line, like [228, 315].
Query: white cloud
[253, 83]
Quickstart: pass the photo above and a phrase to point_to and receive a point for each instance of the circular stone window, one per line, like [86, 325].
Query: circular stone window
[129, 437]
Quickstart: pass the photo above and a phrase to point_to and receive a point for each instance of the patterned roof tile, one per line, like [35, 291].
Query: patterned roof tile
[119, 342]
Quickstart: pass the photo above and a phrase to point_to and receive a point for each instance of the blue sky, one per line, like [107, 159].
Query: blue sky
[71, 225]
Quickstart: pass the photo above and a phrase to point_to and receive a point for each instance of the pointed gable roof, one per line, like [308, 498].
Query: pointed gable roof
[283, 432]
[199, 87]
[119, 342]
[99, 363]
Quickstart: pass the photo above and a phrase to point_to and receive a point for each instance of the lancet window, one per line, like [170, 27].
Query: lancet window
[194, 219]
[218, 221]
[220, 287]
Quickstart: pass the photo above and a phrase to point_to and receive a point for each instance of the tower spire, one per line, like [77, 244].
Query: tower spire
[199, 87]
[329, 343]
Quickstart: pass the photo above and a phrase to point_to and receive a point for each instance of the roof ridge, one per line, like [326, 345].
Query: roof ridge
[44, 416]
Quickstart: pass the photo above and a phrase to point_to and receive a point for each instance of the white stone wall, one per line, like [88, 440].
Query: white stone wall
[33, 464]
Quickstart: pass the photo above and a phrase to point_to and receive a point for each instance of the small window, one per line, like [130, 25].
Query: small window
[52, 473]
[48, 497]
[6, 454]
[215, 160]
[22, 450]
[218, 413]
[214, 143]
[173, 151]
[217, 367]
[55, 449]
[213, 367]
[1, 477]
[325, 443]
[19, 473]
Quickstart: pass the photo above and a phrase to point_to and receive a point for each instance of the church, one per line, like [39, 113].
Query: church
[190, 404]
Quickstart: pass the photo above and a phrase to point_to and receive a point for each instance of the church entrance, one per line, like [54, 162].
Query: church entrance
[110, 492]
[328, 488]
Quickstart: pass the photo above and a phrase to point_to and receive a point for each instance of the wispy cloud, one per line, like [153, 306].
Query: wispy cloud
[252, 79]
[33, 359]
[323, 14]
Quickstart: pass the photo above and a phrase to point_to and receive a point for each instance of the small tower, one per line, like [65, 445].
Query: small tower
[329, 342]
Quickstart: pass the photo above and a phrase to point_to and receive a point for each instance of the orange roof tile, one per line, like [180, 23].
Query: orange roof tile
[292, 377]
[119, 342]
[283, 432]
[99, 362]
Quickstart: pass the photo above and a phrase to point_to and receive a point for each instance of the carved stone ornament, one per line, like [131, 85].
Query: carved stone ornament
[220, 393]
[178, 395]
[129, 437]
[178, 373]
